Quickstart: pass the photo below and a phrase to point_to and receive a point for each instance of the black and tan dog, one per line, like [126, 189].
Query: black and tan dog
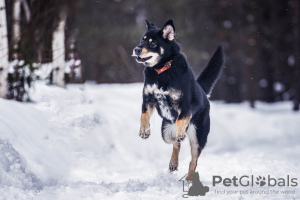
[171, 88]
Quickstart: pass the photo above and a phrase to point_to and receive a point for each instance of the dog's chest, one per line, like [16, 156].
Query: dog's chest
[167, 101]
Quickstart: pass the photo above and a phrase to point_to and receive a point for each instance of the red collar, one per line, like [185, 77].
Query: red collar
[164, 68]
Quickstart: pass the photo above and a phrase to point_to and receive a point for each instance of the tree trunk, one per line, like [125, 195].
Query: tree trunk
[16, 33]
[297, 56]
[26, 10]
[58, 50]
[3, 50]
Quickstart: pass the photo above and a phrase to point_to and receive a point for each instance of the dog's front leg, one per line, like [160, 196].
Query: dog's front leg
[181, 124]
[147, 111]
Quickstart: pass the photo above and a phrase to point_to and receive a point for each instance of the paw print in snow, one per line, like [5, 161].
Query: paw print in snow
[260, 181]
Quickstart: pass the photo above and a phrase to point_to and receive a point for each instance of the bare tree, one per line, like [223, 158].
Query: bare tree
[16, 28]
[58, 49]
[297, 56]
[3, 50]
[26, 10]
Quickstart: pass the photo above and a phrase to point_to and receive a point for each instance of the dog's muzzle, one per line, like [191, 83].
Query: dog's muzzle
[137, 51]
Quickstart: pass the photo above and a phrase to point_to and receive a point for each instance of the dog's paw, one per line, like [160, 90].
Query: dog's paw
[180, 137]
[145, 132]
[189, 178]
[173, 166]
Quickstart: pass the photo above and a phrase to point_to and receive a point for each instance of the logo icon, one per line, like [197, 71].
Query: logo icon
[261, 181]
[196, 189]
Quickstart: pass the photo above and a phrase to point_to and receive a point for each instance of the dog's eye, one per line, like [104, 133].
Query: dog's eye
[153, 44]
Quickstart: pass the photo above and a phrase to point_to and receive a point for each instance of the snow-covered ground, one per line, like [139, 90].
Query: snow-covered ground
[82, 143]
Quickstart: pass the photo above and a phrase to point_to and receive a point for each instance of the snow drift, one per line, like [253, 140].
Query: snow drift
[82, 143]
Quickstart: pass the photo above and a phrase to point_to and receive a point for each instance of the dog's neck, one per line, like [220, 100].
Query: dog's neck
[165, 67]
[162, 62]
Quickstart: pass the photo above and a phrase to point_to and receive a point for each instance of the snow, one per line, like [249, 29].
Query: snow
[82, 143]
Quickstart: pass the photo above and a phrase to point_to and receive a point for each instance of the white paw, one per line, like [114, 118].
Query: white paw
[145, 132]
[180, 137]
[173, 165]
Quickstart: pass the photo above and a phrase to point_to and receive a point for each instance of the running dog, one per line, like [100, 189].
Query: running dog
[171, 89]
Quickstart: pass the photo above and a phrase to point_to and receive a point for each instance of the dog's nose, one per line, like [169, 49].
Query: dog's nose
[137, 50]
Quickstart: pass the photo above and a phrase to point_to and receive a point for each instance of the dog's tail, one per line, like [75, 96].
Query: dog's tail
[211, 73]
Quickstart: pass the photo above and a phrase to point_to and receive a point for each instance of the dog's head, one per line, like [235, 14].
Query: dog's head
[155, 44]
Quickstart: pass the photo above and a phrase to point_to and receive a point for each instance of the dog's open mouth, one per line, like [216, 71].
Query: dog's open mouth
[139, 59]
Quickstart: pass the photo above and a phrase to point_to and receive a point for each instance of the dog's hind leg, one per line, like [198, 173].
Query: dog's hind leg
[198, 136]
[174, 159]
[195, 151]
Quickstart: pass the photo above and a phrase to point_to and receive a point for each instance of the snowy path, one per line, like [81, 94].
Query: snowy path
[83, 143]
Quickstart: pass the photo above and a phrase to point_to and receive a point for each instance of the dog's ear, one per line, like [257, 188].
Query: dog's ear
[149, 25]
[168, 31]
